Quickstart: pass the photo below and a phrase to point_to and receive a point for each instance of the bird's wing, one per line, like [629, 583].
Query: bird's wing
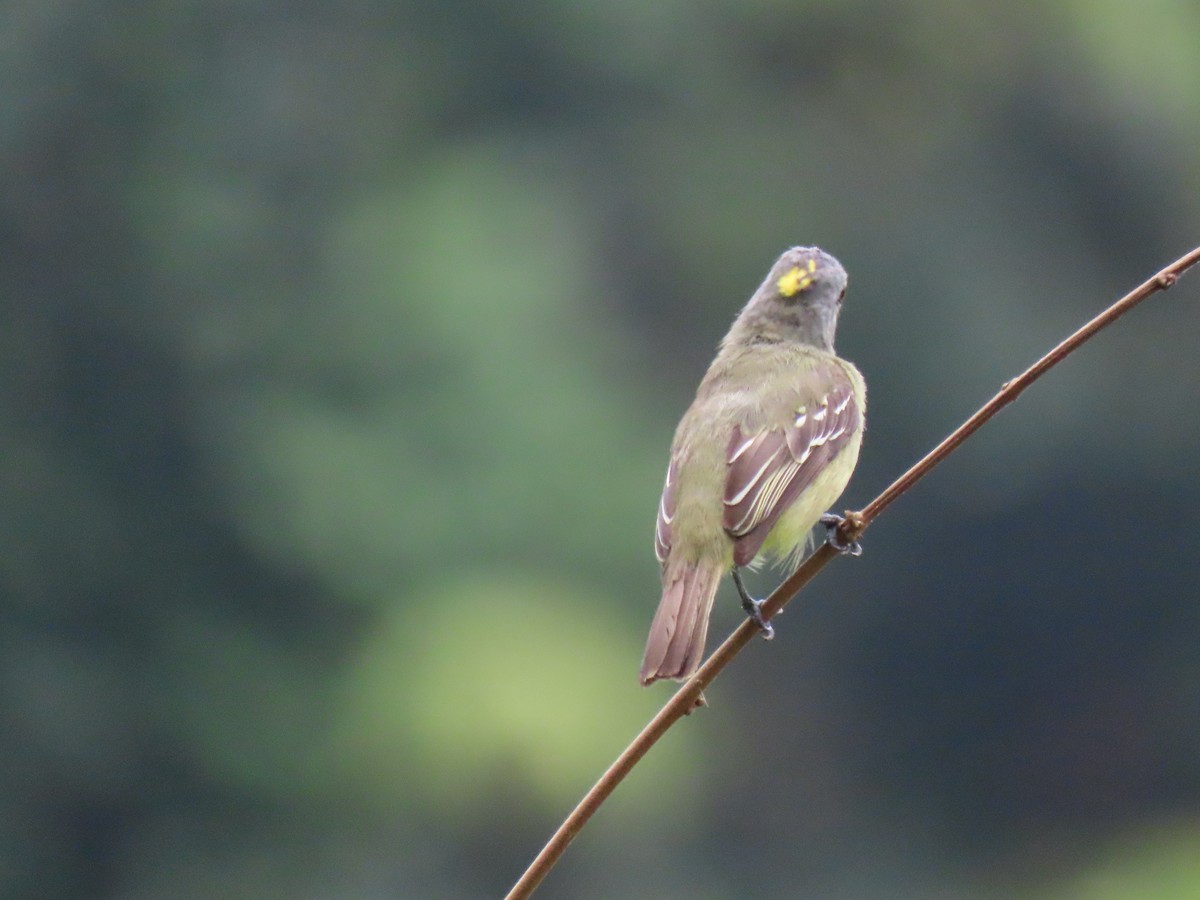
[769, 469]
[666, 514]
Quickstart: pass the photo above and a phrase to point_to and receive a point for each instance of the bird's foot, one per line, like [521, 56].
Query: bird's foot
[833, 523]
[752, 607]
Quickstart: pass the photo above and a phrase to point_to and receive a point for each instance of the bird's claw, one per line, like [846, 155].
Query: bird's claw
[753, 607]
[754, 611]
[832, 522]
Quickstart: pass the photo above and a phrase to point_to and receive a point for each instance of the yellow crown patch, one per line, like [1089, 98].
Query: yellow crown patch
[797, 279]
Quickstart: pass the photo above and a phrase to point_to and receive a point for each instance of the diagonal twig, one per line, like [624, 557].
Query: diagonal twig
[687, 697]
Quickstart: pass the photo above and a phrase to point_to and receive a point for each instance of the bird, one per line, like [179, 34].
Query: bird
[766, 447]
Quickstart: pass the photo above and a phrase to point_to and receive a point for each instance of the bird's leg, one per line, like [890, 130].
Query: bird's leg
[752, 607]
[832, 521]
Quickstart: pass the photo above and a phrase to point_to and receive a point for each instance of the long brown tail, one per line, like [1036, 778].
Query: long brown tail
[676, 643]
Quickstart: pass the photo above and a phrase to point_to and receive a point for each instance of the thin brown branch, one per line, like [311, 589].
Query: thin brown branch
[686, 698]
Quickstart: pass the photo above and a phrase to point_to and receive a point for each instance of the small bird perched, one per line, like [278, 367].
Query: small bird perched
[765, 448]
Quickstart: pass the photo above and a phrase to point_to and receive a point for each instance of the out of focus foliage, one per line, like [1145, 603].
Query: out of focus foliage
[340, 347]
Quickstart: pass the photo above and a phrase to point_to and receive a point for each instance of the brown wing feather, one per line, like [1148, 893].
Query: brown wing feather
[769, 470]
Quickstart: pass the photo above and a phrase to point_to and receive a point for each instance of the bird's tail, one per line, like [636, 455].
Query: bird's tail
[676, 643]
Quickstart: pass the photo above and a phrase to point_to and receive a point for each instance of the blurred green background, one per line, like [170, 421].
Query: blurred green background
[340, 350]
